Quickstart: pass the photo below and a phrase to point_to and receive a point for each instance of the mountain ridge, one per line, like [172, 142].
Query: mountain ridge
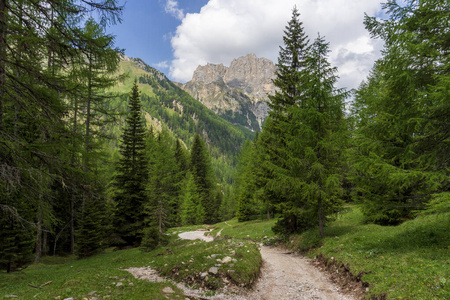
[238, 93]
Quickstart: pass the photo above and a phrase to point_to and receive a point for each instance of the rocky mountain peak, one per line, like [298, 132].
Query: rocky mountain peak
[238, 92]
[253, 75]
[209, 73]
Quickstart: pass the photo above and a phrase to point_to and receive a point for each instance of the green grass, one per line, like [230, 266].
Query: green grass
[180, 260]
[255, 230]
[409, 261]
[77, 278]
[187, 260]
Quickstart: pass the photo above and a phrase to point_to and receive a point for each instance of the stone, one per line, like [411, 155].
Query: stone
[203, 275]
[242, 88]
[71, 298]
[168, 290]
[213, 270]
[131, 284]
[226, 259]
[92, 293]
[119, 284]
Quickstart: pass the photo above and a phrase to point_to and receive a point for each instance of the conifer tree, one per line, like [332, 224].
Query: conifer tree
[291, 63]
[38, 43]
[291, 67]
[315, 141]
[163, 186]
[401, 149]
[204, 179]
[190, 199]
[246, 183]
[132, 175]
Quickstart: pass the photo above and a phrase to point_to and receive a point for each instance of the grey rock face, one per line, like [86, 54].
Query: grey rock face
[237, 93]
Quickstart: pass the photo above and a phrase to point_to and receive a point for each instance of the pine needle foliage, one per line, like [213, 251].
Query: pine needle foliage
[132, 175]
[401, 145]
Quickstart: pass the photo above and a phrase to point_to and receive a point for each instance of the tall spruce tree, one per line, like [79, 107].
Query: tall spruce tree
[315, 141]
[291, 68]
[132, 175]
[204, 179]
[401, 150]
[163, 187]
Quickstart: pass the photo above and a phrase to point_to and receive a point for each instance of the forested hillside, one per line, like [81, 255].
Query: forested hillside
[70, 152]
[165, 103]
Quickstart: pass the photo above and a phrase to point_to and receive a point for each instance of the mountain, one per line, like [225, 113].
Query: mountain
[167, 105]
[237, 93]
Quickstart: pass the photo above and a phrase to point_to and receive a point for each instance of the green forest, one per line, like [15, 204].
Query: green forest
[98, 150]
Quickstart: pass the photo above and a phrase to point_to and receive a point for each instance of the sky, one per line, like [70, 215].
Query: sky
[176, 36]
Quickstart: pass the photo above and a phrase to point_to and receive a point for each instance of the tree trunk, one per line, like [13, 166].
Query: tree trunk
[320, 213]
[3, 15]
[72, 225]
[293, 223]
[44, 242]
[38, 248]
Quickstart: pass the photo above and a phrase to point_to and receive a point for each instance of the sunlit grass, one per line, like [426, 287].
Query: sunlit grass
[409, 261]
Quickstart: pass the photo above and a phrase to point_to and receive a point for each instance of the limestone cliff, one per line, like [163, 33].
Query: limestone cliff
[239, 92]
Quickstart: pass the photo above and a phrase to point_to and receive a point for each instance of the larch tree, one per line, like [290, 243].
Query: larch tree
[401, 145]
[38, 40]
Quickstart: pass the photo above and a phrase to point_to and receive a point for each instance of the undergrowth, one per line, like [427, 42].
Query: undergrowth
[409, 261]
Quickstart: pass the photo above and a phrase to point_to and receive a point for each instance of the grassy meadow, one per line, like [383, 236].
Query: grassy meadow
[409, 261]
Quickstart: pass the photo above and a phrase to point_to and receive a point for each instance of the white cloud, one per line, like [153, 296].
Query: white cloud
[227, 29]
[162, 65]
[173, 9]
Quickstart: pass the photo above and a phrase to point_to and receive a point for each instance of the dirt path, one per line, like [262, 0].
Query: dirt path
[283, 276]
[290, 276]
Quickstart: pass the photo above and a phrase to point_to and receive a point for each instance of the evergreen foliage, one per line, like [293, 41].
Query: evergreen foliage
[315, 139]
[132, 176]
[302, 142]
[190, 200]
[401, 145]
[42, 44]
[204, 179]
[246, 183]
[164, 185]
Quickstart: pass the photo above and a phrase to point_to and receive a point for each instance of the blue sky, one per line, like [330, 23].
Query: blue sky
[147, 28]
[176, 36]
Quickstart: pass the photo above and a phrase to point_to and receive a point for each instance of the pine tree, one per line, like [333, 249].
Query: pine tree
[190, 199]
[36, 58]
[316, 139]
[246, 183]
[401, 149]
[291, 63]
[163, 187]
[291, 68]
[204, 179]
[132, 175]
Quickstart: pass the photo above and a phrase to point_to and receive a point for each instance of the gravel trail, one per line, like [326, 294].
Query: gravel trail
[283, 276]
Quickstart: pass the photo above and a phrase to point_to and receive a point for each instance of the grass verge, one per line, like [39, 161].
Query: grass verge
[409, 261]
[207, 265]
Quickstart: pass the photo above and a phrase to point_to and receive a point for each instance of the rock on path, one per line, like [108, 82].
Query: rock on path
[283, 276]
[196, 235]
